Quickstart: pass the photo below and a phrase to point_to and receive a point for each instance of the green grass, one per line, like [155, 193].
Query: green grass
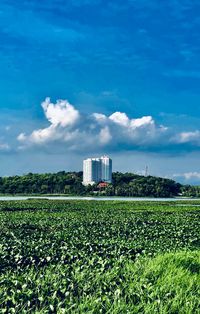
[98, 257]
[168, 283]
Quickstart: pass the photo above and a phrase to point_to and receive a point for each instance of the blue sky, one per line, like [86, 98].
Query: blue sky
[135, 63]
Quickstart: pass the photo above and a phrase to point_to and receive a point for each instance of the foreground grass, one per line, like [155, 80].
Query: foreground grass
[166, 284]
[98, 257]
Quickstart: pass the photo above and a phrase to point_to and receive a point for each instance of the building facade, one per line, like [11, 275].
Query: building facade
[97, 170]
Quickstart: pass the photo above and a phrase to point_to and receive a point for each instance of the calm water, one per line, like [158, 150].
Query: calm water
[17, 198]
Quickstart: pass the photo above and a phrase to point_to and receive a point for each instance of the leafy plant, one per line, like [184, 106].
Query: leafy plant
[98, 257]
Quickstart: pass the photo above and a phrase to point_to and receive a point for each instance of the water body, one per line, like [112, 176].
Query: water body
[21, 198]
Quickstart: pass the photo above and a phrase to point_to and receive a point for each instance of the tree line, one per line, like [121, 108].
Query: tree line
[70, 183]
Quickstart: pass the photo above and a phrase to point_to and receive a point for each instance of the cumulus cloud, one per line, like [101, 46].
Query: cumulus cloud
[120, 118]
[62, 113]
[133, 132]
[40, 136]
[62, 117]
[78, 131]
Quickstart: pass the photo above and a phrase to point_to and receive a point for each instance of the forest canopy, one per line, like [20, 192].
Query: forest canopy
[70, 183]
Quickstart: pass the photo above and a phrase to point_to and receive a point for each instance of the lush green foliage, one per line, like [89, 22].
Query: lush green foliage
[61, 182]
[93, 257]
[127, 184]
[190, 190]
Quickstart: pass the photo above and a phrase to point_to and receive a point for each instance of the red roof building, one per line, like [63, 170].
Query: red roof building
[102, 185]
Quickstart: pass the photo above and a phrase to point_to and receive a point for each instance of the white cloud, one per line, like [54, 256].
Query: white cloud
[120, 118]
[76, 131]
[21, 137]
[188, 137]
[62, 113]
[62, 117]
[141, 122]
[45, 135]
[40, 136]
[105, 136]
[99, 117]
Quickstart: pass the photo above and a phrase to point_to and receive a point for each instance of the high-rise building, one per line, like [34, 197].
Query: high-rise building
[96, 170]
[106, 169]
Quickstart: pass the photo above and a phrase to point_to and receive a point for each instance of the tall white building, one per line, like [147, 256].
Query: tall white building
[106, 169]
[96, 170]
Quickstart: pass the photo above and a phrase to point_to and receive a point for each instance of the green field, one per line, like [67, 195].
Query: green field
[99, 257]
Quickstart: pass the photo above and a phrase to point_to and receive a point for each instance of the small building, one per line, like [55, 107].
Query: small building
[102, 185]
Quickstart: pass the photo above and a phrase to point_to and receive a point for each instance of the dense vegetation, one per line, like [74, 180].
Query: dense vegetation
[99, 257]
[127, 184]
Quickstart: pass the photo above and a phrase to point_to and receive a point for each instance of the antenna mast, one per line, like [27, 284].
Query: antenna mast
[146, 171]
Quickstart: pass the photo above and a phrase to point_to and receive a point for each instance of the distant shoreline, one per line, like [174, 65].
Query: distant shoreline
[18, 197]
